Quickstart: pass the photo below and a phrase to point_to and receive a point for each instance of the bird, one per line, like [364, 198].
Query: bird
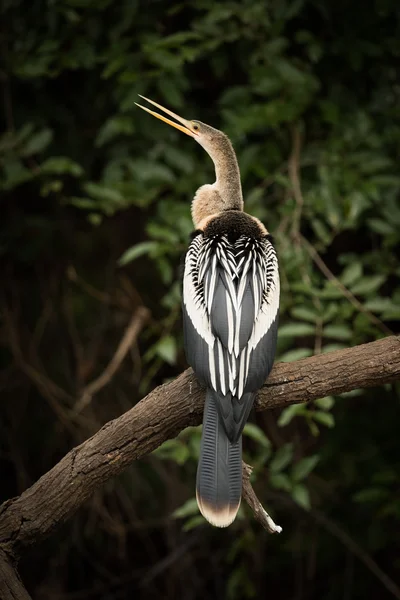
[230, 306]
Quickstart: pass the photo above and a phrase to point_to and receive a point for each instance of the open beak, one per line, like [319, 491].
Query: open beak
[187, 126]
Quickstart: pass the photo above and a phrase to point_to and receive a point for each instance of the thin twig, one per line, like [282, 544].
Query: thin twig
[126, 297]
[132, 331]
[295, 179]
[294, 176]
[50, 390]
[249, 495]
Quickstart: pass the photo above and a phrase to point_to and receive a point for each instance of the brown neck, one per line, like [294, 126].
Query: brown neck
[227, 175]
[226, 192]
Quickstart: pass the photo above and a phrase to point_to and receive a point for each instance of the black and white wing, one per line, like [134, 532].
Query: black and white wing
[230, 306]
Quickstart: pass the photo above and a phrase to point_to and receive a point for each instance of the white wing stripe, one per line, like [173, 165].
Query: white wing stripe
[211, 364]
[212, 283]
[231, 324]
[241, 381]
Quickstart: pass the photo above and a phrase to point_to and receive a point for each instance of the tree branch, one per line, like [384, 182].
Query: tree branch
[168, 409]
[363, 366]
[259, 512]
[131, 333]
[11, 586]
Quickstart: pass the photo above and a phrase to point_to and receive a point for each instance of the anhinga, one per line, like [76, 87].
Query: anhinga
[230, 316]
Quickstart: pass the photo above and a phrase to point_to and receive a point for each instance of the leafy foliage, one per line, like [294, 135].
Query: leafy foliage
[95, 205]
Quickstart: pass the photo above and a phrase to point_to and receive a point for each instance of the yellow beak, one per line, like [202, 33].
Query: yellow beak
[188, 127]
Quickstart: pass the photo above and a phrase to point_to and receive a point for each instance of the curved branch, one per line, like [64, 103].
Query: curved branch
[363, 366]
[131, 333]
[11, 586]
[168, 409]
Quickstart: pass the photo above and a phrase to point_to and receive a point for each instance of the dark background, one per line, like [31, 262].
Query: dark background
[309, 92]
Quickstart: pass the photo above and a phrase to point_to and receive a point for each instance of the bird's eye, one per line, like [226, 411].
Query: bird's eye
[196, 127]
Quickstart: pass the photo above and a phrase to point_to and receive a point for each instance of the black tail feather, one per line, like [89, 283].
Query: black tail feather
[219, 473]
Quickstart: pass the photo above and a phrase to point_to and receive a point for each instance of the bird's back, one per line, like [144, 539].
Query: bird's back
[230, 302]
[233, 224]
[230, 313]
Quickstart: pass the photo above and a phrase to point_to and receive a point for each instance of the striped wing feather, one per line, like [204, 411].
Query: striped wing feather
[231, 301]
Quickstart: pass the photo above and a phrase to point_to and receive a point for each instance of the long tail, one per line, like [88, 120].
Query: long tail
[219, 473]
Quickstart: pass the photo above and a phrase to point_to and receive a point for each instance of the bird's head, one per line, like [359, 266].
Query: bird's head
[211, 139]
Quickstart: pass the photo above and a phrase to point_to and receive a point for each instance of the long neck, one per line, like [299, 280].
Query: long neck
[226, 192]
[227, 174]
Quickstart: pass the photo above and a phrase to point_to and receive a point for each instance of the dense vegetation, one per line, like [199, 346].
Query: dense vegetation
[95, 216]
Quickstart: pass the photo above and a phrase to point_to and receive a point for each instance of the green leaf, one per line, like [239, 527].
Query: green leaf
[289, 413]
[188, 509]
[373, 494]
[281, 458]
[381, 227]
[330, 312]
[304, 288]
[296, 330]
[95, 219]
[304, 314]
[322, 231]
[379, 305]
[167, 448]
[61, 165]
[193, 522]
[325, 403]
[166, 349]
[115, 126]
[313, 427]
[331, 291]
[181, 454]
[150, 171]
[351, 274]
[392, 314]
[164, 267]
[358, 203]
[338, 332]
[368, 285]
[136, 251]
[301, 495]
[256, 434]
[166, 234]
[83, 203]
[175, 450]
[37, 143]
[352, 393]
[280, 481]
[110, 196]
[296, 354]
[14, 174]
[52, 186]
[325, 418]
[304, 467]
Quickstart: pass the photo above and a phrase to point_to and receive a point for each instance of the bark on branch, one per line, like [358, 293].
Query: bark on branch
[11, 586]
[29, 518]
